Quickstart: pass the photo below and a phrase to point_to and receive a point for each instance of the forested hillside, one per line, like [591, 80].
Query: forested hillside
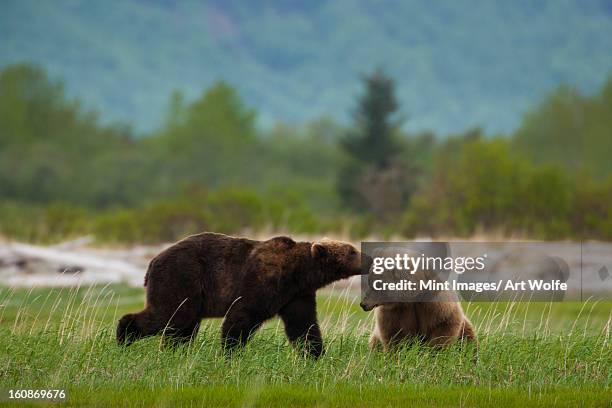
[459, 64]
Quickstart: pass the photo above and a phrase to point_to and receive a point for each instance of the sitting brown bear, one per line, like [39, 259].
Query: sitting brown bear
[243, 280]
[433, 316]
[437, 323]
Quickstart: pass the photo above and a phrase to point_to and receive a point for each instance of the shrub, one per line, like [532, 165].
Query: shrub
[52, 223]
[490, 187]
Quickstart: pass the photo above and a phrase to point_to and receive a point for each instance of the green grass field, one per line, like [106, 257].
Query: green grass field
[537, 354]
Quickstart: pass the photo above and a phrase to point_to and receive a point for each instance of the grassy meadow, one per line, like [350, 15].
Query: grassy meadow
[536, 354]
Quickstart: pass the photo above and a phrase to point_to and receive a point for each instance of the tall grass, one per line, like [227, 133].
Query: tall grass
[64, 338]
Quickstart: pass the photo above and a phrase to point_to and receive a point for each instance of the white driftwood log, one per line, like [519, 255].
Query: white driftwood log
[62, 265]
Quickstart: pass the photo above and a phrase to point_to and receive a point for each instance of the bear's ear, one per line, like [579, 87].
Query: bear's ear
[318, 250]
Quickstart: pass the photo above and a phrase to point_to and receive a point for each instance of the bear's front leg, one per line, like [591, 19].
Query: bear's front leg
[300, 319]
[240, 322]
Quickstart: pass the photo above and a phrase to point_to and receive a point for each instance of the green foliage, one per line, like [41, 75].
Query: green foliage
[50, 150]
[48, 144]
[230, 211]
[487, 186]
[215, 123]
[571, 130]
[591, 214]
[62, 174]
[51, 223]
[209, 141]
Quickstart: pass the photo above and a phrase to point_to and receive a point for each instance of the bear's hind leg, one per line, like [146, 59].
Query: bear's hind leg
[444, 333]
[178, 324]
[127, 330]
[134, 326]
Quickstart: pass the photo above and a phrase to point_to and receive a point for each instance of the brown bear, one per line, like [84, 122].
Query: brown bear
[433, 316]
[436, 323]
[245, 281]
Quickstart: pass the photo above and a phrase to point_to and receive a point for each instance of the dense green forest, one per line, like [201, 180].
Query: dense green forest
[209, 167]
[462, 63]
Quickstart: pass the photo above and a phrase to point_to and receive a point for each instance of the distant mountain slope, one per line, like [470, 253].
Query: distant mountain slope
[457, 63]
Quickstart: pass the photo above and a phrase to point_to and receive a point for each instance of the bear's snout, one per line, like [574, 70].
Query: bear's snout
[367, 306]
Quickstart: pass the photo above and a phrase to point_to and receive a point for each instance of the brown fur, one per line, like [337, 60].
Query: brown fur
[245, 281]
[437, 323]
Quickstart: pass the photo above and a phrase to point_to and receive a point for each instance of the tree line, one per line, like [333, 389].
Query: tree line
[209, 167]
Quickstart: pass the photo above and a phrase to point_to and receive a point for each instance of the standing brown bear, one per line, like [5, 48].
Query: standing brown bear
[243, 280]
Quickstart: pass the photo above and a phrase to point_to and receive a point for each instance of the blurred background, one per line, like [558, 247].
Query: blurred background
[139, 122]
[127, 125]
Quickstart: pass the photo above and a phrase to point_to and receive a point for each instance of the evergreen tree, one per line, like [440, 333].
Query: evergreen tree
[371, 144]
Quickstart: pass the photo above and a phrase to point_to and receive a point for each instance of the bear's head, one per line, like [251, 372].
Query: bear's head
[337, 259]
[435, 250]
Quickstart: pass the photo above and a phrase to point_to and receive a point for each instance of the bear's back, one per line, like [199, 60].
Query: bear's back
[215, 244]
[220, 256]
